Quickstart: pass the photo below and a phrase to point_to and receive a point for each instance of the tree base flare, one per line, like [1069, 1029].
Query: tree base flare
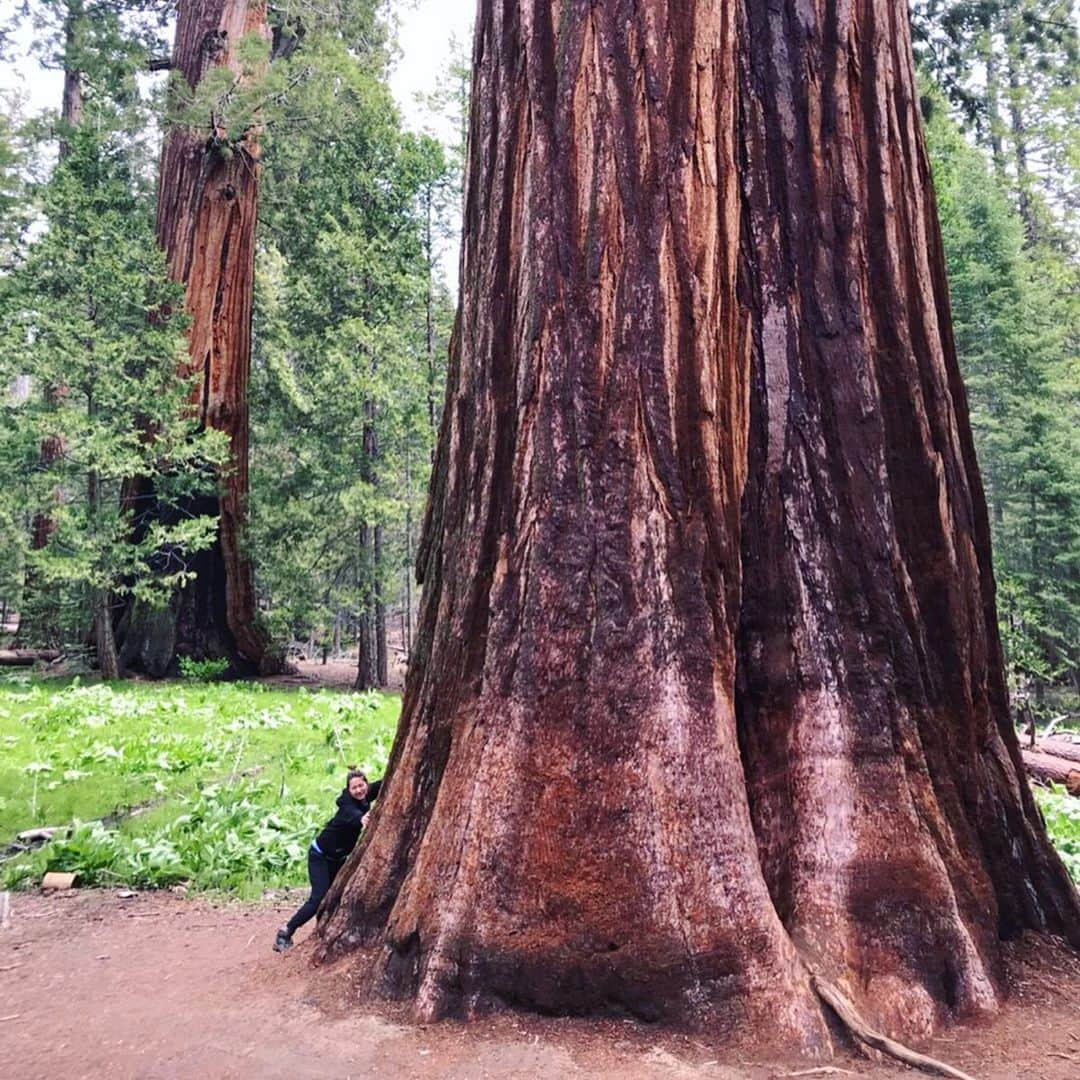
[781, 1011]
[707, 686]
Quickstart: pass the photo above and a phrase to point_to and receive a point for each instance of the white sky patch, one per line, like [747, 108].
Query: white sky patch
[426, 31]
[20, 74]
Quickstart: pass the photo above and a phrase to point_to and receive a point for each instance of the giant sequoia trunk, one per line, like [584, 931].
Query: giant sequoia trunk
[207, 204]
[566, 824]
[702, 284]
[897, 833]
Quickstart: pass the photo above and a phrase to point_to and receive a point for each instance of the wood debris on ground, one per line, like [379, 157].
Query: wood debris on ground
[58, 882]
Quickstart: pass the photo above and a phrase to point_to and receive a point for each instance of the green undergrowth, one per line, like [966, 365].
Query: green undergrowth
[1061, 812]
[220, 786]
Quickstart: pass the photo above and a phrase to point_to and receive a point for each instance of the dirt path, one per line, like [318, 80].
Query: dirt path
[333, 675]
[92, 985]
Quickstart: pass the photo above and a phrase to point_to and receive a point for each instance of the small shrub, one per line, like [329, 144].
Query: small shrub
[203, 670]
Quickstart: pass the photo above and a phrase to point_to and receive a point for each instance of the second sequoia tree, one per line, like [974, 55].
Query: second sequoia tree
[207, 206]
[707, 693]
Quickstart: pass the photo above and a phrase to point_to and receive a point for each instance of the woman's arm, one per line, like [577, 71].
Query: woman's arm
[372, 795]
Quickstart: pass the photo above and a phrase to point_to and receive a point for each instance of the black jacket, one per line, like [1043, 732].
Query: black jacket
[342, 831]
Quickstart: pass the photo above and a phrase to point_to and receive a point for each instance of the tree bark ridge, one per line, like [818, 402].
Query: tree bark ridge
[568, 737]
[896, 831]
[707, 692]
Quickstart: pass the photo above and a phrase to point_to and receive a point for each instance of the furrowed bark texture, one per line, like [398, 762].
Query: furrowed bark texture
[897, 832]
[565, 825]
[707, 693]
[207, 205]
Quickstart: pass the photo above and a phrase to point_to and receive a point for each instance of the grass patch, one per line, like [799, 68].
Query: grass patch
[232, 780]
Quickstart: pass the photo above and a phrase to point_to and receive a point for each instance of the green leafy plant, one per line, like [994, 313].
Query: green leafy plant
[203, 670]
[1061, 811]
[221, 786]
[226, 839]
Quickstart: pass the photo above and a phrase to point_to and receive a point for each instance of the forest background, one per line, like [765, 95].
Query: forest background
[355, 293]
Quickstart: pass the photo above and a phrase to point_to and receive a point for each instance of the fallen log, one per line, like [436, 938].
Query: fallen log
[27, 657]
[1061, 746]
[1050, 769]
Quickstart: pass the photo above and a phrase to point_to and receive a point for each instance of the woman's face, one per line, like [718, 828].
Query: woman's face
[358, 788]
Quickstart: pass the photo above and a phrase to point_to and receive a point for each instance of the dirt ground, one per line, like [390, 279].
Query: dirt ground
[340, 673]
[158, 986]
[333, 675]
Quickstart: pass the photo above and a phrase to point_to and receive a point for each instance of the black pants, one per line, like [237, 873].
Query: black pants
[321, 872]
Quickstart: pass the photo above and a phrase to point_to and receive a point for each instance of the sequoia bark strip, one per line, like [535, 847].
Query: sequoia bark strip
[53, 448]
[207, 205]
[564, 824]
[897, 833]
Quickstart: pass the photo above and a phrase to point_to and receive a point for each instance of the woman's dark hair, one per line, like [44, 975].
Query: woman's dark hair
[355, 773]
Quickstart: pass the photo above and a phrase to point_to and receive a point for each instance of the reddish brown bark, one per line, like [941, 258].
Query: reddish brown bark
[574, 819]
[71, 104]
[71, 112]
[207, 205]
[566, 825]
[52, 450]
[897, 834]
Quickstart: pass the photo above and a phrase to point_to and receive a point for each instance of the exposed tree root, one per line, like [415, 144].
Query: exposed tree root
[821, 1070]
[864, 1033]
